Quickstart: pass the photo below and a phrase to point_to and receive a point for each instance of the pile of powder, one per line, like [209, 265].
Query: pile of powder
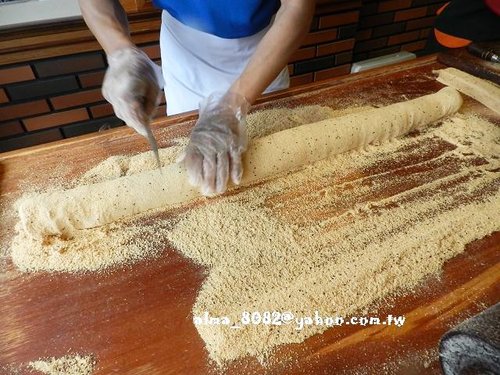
[341, 234]
[67, 365]
[262, 123]
[125, 165]
[335, 237]
[90, 250]
[125, 242]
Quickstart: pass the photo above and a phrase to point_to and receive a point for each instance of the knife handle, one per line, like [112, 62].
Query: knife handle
[483, 53]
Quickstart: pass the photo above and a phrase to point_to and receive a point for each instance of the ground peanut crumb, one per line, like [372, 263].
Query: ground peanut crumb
[335, 237]
[67, 365]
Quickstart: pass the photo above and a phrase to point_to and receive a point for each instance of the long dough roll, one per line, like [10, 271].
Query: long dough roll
[483, 91]
[64, 212]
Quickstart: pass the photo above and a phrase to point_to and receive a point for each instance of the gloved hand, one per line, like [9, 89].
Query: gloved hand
[217, 142]
[132, 84]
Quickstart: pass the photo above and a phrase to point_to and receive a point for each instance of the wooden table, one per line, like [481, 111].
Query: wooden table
[136, 319]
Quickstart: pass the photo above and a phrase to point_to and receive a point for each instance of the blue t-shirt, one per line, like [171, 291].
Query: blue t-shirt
[224, 18]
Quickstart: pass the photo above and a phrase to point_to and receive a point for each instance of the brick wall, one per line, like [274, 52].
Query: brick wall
[55, 98]
[327, 50]
[391, 26]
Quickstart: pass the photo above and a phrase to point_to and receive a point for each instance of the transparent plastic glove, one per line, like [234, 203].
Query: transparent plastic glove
[132, 84]
[217, 142]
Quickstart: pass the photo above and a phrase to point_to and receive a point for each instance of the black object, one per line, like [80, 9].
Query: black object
[473, 347]
[469, 19]
[483, 52]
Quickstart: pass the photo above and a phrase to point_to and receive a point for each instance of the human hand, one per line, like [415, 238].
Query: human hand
[132, 84]
[217, 142]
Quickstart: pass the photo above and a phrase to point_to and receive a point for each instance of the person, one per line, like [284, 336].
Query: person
[462, 22]
[219, 54]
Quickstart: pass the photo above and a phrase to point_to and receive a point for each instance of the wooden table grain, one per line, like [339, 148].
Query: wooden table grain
[136, 319]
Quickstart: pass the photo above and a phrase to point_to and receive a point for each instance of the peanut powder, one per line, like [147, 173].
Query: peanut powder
[67, 365]
[341, 234]
[334, 237]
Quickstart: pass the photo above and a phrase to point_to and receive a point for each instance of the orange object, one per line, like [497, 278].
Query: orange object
[440, 10]
[450, 41]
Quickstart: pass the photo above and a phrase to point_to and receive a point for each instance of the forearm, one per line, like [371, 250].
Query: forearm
[108, 22]
[274, 50]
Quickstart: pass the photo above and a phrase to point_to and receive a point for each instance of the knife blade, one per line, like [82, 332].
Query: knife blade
[154, 146]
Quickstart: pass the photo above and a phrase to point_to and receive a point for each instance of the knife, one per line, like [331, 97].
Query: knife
[154, 146]
[150, 137]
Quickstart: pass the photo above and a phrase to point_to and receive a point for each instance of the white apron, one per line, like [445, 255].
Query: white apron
[196, 64]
